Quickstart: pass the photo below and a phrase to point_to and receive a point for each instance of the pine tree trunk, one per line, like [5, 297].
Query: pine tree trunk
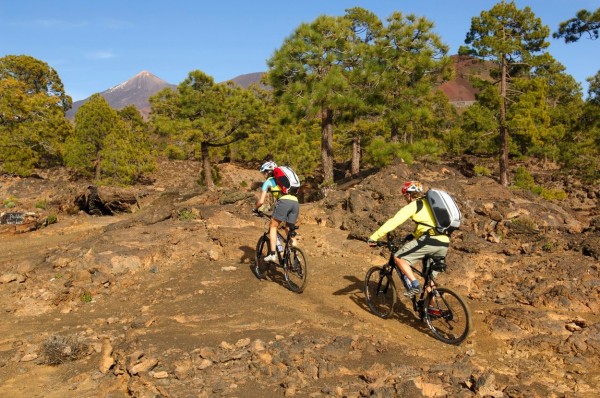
[97, 171]
[394, 134]
[208, 180]
[503, 128]
[355, 165]
[327, 145]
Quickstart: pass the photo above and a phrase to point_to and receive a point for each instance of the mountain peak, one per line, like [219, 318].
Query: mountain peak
[134, 91]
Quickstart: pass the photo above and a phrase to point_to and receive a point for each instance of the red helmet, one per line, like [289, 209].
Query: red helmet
[412, 186]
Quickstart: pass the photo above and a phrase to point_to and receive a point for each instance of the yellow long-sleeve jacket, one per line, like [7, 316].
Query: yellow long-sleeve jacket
[422, 216]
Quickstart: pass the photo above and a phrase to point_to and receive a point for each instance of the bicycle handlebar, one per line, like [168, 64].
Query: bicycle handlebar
[258, 213]
[390, 243]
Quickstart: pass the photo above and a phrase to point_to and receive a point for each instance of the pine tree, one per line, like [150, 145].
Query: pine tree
[584, 22]
[33, 127]
[94, 121]
[510, 38]
[308, 72]
[112, 148]
[581, 150]
[348, 71]
[412, 61]
[37, 76]
[202, 115]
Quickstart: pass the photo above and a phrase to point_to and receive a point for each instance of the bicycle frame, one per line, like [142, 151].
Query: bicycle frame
[283, 256]
[426, 273]
[291, 258]
[445, 311]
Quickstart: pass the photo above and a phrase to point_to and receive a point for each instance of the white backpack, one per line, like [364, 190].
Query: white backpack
[286, 179]
[445, 210]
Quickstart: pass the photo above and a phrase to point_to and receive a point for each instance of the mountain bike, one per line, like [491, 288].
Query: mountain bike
[446, 313]
[289, 257]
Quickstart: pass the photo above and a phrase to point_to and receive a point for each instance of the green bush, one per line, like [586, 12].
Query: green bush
[186, 215]
[524, 180]
[553, 194]
[428, 149]
[10, 202]
[51, 219]
[175, 153]
[548, 247]
[86, 297]
[482, 171]
[381, 153]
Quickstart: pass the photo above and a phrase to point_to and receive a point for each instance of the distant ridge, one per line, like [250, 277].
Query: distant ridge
[246, 80]
[460, 91]
[135, 91]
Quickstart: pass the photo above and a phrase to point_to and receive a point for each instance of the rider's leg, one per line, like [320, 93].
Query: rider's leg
[405, 268]
[273, 234]
[272, 256]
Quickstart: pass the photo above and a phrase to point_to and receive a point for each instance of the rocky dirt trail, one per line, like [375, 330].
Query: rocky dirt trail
[162, 301]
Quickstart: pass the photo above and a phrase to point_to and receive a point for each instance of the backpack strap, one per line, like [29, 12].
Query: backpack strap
[420, 206]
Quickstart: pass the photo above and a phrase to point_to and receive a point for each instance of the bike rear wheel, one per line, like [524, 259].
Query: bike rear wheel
[380, 292]
[262, 250]
[447, 315]
[296, 270]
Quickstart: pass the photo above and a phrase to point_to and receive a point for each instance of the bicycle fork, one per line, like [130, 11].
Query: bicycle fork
[382, 275]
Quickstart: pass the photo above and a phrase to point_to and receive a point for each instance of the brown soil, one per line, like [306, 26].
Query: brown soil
[162, 301]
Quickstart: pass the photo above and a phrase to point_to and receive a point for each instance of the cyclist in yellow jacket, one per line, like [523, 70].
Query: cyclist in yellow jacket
[425, 239]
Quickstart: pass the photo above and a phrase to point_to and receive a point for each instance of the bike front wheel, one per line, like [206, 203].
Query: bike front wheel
[296, 270]
[380, 292]
[447, 315]
[262, 250]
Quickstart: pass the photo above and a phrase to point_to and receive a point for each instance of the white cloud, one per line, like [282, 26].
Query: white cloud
[53, 24]
[100, 54]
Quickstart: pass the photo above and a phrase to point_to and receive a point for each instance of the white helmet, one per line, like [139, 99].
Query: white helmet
[412, 187]
[268, 166]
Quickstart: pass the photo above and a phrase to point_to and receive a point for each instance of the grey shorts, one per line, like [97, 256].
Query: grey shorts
[416, 249]
[286, 211]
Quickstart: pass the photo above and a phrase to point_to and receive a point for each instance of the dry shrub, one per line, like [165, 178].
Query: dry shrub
[60, 349]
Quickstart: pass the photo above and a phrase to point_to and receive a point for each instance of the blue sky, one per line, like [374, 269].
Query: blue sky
[95, 45]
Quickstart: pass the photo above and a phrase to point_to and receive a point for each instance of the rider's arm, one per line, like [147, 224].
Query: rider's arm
[260, 200]
[394, 222]
[263, 195]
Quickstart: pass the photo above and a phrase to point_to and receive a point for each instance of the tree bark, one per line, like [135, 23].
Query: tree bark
[327, 145]
[208, 180]
[355, 165]
[97, 171]
[394, 133]
[503, 128]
